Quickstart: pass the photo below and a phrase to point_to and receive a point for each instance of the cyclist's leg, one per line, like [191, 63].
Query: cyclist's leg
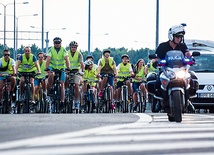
[62, 81]
[50, 81]
[22, 81]
[12, 79]
[135, 86]
[128, 83]
[111, 82]
[32, 89]
[36, 85]
[1, 87]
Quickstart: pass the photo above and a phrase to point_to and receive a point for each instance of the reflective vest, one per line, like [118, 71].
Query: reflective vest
[151, 68]
[140, 74]
[124, 70]
[4, 64]
[90, 75]
[42, 68]
[57, 60]
[74, 60]
[27, 65]
[103, 62]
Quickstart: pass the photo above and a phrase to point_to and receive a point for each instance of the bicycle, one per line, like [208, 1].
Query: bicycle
[55, 92]
[141, 101]
[89, 97]
[42, 105]
[26, 106]
[69, 96]
[104, 103]
[126, 105]
[6, 98]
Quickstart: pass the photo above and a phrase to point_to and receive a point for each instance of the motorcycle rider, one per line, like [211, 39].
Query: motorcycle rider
[176, 42]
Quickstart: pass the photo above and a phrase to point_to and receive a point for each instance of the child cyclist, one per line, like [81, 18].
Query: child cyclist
[89, 78]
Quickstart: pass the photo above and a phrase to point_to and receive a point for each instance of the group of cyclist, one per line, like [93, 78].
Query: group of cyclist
[58, 58]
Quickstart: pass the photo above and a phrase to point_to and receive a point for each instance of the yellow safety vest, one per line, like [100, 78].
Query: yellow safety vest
[57, 60]
[27, 65]
[42, 68]
[124, 70]
[103, 62]
[90, 75]
[4, 64]
[74, 60]
[140, 74]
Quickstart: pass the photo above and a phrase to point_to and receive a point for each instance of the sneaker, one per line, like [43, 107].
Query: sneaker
[100, 94]
[33, 102]
[76, 104]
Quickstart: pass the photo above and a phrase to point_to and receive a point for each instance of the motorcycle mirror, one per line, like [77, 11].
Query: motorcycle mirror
[196, 53]
[153, 56]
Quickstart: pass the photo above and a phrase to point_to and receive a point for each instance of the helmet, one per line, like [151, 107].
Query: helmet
[73, 43]
[106, 50]
[90, 56]
[176, 30]
[88, 62]
[124, 55]
[57, 39]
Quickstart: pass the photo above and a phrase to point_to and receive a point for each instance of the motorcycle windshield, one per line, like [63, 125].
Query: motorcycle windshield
[174, 59]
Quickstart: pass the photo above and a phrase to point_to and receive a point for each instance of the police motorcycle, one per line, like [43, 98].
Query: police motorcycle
[174, 83]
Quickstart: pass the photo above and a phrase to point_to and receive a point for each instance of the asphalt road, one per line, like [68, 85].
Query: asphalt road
[119, 133]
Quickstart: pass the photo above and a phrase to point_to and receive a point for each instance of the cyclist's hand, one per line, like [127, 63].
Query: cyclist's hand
[81, 73]
[98, 76]
[39, 73]
[132, 75]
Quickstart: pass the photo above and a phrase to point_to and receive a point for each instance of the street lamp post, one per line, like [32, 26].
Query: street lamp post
[47, 38]
[17, 25]
[5, 6]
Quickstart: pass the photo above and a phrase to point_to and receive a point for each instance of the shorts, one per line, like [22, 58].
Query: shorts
[37, 81]
[110, 79]
[135, 86]
[62, 76]
[77, 79]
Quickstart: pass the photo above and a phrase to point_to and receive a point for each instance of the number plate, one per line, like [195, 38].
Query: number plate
[206, 95]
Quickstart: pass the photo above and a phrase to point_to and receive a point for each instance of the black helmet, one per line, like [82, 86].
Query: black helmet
[90, 56]
[57, 39]
[106, 50]
[124, 55]
[73, 43]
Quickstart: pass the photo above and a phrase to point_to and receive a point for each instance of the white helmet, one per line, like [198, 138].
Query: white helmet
[88, 62]
[176, 30]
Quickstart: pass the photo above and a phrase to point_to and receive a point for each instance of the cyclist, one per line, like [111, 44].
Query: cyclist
[139, 80]
[124, 70]
[89, 74]
[41, 78]
[57, 58]
[7, 66]
[90, 57]
[106, 65]
[76, 62]
[27, 63]
[149, 67]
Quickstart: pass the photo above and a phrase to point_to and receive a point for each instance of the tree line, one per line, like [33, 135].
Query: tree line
[116, 53]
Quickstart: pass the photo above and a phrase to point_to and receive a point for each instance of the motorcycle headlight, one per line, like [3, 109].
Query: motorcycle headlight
[181, 74]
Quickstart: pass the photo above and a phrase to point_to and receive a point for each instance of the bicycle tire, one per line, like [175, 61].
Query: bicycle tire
[27, 99]
[125, 104]
[108, 100]
[5, 104]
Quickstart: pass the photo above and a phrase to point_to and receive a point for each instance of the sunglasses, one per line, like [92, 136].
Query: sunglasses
[40, 57]
[57, 42]
[178, 36]
[6, 54]
[73, 47]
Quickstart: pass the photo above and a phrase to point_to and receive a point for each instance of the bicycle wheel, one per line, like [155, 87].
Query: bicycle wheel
[108, 99]
[5, 104]
[27, 99]
[124, 101]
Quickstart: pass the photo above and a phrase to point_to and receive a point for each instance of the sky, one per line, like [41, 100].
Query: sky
[114, 23]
